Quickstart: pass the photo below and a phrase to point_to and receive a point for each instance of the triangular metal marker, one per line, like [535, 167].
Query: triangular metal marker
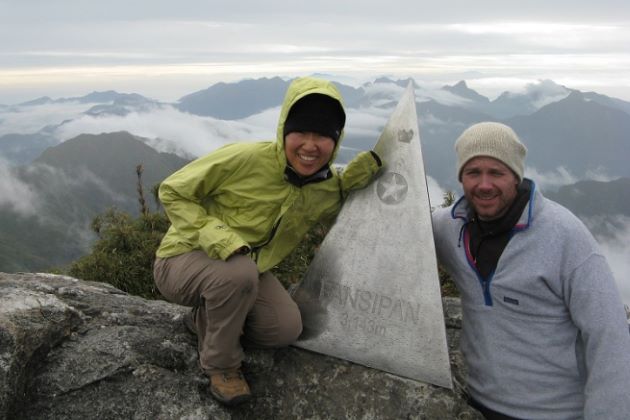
[371, 294]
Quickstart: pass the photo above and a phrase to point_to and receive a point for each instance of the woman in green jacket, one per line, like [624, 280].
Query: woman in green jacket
[236, 213]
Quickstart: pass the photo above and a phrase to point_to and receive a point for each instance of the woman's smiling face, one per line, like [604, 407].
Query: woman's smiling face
[307, 152]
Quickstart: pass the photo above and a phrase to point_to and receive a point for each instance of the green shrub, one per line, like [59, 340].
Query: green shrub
[124, 253]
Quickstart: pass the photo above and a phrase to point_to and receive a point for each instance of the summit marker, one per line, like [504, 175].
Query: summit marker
[371, 294]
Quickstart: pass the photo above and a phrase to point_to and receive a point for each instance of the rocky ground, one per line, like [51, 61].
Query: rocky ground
[71, 349]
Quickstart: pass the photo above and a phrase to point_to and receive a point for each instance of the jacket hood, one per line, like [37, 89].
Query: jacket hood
[298, 89]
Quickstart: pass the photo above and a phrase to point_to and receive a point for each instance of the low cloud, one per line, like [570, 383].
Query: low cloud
[436, 192]
[429, 119]
[616, 248]
[599, 175]
[383, 93]
[30, 119]
[546, 92]
[189, 134]
[442, 96]
[550, 180]
[56, 179]
[366, 122]
[170, 130]
[15, 194]
[561, 176]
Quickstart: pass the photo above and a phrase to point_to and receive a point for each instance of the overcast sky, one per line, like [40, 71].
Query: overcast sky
[165, 49]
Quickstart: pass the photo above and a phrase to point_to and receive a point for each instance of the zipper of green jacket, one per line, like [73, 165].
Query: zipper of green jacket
[294, 192]
[257, 248]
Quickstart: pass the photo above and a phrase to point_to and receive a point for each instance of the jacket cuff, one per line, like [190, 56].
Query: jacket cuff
[377, 158]
[238, 248]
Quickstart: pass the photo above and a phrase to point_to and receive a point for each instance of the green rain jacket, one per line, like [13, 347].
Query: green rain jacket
[239, 196]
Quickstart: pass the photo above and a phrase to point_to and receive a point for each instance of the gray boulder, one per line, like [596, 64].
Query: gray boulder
[71, 349]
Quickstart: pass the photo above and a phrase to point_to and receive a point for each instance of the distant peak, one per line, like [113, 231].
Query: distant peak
[575, 95]
[462, 89]
[461, 85]
[39, 101]
[383, 79]
[399, 82]
[103, 92]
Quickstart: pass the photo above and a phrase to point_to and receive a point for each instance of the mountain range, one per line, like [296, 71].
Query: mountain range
[581, 131]
[69, 184]
[66, 181]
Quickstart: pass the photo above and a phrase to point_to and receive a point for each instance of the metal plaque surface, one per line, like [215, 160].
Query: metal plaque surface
[371, 294]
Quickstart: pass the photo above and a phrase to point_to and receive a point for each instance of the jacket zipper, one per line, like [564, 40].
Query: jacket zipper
[256, 249]
[485, 283]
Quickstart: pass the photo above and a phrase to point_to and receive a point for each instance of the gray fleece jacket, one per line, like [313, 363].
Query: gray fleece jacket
[545, 336]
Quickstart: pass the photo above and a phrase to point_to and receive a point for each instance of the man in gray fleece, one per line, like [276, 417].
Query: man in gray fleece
[544, 329]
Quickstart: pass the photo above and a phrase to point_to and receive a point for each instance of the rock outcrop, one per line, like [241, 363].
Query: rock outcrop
[71, 349]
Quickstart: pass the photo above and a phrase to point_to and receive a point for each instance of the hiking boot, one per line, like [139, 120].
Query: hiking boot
[189, 321]
[229, 387]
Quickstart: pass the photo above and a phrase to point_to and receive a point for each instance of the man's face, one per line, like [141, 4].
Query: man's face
[308, 152]
[489, 186]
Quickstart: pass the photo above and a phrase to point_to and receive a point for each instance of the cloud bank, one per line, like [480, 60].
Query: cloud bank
[180, 132]
[30, 119]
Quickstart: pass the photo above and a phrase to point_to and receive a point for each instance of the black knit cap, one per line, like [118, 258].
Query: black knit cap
[317, 113]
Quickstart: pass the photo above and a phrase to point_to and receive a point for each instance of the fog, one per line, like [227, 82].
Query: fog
[186, 134]
[552, 180]
[30, 119]
[15, 194]
[616, 248]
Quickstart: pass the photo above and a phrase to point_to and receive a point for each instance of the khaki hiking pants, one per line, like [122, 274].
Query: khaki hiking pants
[233, 299]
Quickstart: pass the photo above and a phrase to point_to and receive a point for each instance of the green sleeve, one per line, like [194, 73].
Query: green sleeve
[184, 193]
[359, 172]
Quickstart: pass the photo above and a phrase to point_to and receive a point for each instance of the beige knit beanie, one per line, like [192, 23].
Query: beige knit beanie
[491, 139]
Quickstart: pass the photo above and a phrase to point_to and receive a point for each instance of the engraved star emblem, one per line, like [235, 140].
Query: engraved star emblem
[392, 188]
